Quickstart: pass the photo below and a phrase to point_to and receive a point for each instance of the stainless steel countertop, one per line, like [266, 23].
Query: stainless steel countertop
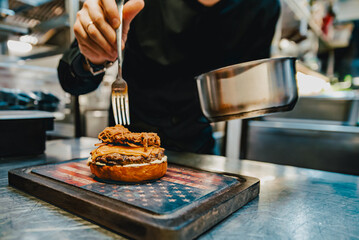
[294, 203]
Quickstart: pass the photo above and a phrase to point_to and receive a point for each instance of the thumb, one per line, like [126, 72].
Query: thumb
[130, 10]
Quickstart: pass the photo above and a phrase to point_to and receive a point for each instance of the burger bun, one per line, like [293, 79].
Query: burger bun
[136, 173]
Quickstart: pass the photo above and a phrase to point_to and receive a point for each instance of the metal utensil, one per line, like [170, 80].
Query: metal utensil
[119, 88]
[248, 89]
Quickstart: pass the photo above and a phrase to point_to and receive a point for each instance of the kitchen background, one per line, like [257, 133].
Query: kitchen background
[322, 132]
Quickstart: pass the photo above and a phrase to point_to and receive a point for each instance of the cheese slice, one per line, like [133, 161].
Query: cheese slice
[125, 150]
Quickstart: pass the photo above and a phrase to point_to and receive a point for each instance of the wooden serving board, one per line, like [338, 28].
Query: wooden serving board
[182, 205]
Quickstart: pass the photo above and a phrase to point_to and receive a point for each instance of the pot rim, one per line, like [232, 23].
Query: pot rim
[245, 64]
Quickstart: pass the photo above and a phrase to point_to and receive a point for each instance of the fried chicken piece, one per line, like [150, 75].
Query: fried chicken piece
[121, 135]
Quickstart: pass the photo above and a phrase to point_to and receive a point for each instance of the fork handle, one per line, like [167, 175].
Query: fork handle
[119, 34]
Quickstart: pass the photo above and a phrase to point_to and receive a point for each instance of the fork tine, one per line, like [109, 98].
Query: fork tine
[114, 108]
[123, 109]
[118, 109]
[127, 110]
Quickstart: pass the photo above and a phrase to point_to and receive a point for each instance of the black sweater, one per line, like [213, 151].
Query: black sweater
[169, 43]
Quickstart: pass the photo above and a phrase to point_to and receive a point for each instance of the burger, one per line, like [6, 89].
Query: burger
[126, 156]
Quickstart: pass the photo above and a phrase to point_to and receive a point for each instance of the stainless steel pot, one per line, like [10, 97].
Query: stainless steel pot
[248, 89]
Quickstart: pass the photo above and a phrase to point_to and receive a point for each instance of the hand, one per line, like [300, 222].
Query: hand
[208, 3]
[96, 24]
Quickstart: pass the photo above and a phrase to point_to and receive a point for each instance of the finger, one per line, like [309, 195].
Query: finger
[111, 12]
[91, 55]
[96, 35]
[89, 48]
[130, 10]
[98, 16]
[83, 39]
[94, 55]
[101, 55]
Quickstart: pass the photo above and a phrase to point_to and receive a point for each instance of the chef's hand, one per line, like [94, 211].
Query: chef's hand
[96, 24]
[208, 3]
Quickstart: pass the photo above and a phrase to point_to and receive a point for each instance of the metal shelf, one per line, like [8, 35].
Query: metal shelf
[302, 12]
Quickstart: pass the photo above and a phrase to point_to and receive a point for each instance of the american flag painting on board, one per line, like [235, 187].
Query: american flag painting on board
[178, 188]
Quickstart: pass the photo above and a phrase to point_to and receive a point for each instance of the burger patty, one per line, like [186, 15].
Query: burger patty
[120, 159]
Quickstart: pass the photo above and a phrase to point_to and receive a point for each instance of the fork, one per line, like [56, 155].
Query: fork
[119, 95]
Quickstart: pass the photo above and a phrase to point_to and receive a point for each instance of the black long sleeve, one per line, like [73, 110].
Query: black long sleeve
[73, 78]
